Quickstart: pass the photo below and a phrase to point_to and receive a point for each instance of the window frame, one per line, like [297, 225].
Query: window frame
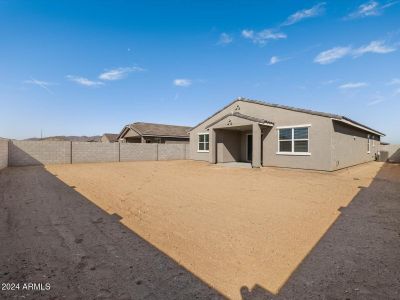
[369, 144]
[198, 142]
[292, 140]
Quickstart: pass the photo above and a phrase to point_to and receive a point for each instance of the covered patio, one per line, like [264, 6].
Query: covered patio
[238, 138]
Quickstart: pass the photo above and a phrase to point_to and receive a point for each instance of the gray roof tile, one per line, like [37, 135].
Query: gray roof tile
[152, 129]
[307, 111]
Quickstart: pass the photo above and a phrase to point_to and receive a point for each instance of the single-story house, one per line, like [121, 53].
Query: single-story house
[109, 138]
[276, 135]
[140, 132]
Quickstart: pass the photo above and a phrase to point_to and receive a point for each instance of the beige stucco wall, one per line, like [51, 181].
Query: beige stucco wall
[131, 133]
[104, 139]
[228, 146]
[319, 134]
[350, 146]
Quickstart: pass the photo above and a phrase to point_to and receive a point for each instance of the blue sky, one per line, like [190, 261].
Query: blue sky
[89, 67]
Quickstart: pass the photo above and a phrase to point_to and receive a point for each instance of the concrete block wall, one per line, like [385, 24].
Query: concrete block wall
[84, 152]
[187, 151]
[28, 153]
[3, 154]
[138, 151]
[393, 151]
[171, 151]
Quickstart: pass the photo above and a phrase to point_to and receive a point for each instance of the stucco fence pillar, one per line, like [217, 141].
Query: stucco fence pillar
[212, 146]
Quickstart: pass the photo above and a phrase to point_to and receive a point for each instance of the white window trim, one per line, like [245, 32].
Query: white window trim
[293, 140]
[293, 126]
[294, 153]
[198, 142]
[369, 144]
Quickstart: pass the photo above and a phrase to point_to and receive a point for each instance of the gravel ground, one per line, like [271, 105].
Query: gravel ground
[184, 230]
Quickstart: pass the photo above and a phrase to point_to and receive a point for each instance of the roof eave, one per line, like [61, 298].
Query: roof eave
[326, 115]
[172, 136]
[122, 132]
[242, 116]
[355, 124]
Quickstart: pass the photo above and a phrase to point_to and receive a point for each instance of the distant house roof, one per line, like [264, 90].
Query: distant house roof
[112, 137]
[152, 129]
[307, 111]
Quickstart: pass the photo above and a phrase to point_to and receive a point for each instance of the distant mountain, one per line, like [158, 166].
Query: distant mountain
[72, 138]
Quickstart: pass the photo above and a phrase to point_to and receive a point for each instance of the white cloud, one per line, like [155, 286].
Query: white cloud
[374, 47]
[352, 85]
[274, 60]
[389, 4]
[248, 34]
[370, 8]
[119, 73]
[43, 84]
[263, 36]
[314, 11]
[182, 82]
[331, 55]
[225, 39]
[376, 101]
[366, 9]
[330, 81]
[394, 81]
[84, 81]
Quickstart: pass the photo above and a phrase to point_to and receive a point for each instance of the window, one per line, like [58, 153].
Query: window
[203, 142]
[293, 140]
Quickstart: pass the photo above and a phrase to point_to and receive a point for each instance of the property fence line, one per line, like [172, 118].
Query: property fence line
[3, 154]
[393, 152]
[30, 153]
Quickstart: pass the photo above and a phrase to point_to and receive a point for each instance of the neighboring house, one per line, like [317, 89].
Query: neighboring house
[276, 135]
[140, 132]
[109, 138]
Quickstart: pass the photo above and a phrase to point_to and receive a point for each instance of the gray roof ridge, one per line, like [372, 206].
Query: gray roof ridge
[140, 122]
[240, 115]
[307, 111]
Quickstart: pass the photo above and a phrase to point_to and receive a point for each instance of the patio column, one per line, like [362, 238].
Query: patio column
[212, 146]
[256, 163]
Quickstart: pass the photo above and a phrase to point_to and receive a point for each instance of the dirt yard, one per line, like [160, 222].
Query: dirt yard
[189, 229]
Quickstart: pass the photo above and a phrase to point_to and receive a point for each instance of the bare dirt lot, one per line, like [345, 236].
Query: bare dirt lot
[184, 229]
